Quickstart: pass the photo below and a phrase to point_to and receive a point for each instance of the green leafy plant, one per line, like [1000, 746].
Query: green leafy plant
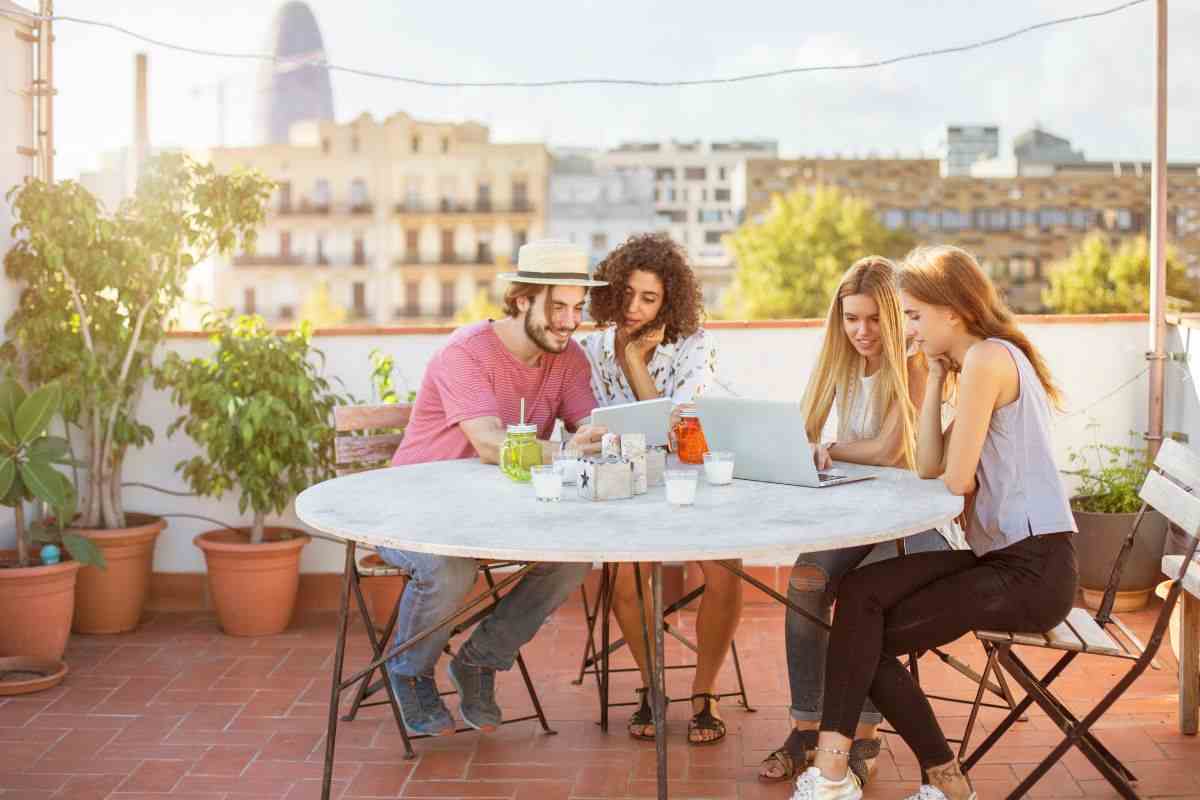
[100, 292]
[261, 411]
[383, 388]
[28, 455]
[1110, 477]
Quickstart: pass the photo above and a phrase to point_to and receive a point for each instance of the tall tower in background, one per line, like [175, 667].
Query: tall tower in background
[299, 89]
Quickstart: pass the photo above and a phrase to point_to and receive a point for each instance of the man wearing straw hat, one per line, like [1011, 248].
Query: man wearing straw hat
[485, 377]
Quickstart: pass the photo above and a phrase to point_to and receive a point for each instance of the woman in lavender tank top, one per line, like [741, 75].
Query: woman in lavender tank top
[1020, 573]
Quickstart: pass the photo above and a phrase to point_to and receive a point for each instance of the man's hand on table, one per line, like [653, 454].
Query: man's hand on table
[587, 439]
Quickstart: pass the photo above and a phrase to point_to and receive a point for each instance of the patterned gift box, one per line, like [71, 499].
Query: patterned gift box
[605, 479]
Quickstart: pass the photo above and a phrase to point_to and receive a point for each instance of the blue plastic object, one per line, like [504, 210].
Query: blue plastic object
[51, 554]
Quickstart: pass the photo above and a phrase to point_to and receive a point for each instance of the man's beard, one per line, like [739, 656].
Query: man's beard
[539, 335]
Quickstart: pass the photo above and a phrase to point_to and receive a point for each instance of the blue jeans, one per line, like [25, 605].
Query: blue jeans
[438, 585]
[806, 643]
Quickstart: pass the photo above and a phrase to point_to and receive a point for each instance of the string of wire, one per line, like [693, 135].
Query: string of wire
[310, 61]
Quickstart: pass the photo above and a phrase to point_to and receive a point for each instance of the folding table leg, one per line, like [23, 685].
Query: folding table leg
[608, 581]
[658, 679]
[737, 669]
[589, 616]
[339, 657]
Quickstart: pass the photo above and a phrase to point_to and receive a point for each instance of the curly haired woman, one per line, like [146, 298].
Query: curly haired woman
[649, 344]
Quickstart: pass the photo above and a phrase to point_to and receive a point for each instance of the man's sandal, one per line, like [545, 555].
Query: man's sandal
[862, 751]
[641, 719]
[792, 757]
[703, 721]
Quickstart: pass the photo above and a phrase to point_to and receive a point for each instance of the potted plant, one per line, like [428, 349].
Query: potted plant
[1105, 506]
[263, 416]
[37, 598]
[100, 291]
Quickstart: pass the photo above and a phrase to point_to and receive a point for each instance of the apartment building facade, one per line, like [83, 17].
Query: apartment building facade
[404, 221]
[693, 196]
[1016, 225]
[596, 205]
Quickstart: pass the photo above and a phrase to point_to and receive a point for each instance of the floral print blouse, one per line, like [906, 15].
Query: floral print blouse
[681, 371]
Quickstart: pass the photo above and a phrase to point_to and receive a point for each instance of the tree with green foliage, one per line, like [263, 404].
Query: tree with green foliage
[789, 265]
[100, 292]
[480, 308]
[261, 411]
[1098, 279]
[320, 310]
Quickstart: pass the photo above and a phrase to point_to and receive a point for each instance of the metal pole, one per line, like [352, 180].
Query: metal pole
[1158, 232]
[46, 89]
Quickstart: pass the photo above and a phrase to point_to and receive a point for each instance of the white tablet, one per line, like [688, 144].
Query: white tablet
[651, 417]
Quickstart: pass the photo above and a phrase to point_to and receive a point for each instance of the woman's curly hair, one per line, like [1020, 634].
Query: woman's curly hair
[683, 306]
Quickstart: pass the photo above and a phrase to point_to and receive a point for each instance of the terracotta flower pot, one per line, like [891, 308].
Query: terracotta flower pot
[36, 604]
[111, 600]
[253, 586]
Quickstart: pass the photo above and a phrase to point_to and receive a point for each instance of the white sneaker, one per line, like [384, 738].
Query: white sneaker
[927, 792]
[812, 785]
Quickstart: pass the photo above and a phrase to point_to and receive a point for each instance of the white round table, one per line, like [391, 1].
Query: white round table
[465, 508]
[469, 509]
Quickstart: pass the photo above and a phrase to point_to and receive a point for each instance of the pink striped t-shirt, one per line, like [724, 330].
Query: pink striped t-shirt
[475, 376]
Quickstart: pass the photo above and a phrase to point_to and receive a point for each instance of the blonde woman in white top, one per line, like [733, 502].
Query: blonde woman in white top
[865, 372]
[650, 344]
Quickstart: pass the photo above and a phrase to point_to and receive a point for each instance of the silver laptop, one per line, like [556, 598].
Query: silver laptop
[768, 441]
[651, 417]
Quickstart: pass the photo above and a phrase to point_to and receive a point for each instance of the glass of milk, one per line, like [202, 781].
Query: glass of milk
[718, 467]
[681, 486]
[568, 468]
[547, 484]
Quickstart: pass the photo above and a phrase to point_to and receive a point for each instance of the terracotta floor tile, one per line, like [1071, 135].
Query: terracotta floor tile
[155, 776]
[246, 718]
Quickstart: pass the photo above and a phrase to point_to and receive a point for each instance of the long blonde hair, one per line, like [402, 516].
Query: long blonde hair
[948, 276]
[839, 365]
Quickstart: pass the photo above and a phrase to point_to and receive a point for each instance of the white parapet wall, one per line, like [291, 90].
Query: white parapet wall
[1099, 361]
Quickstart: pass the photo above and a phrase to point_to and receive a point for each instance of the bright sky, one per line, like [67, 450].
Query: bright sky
[1090, 81]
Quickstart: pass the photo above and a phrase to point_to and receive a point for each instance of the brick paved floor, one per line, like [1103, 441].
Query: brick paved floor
[177, 711]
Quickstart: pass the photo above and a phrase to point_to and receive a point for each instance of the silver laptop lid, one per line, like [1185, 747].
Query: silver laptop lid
[767, 438]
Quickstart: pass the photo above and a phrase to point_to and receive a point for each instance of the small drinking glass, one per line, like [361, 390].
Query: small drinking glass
[547, 484]
[566, 464]
[681, 486]
[718, 467]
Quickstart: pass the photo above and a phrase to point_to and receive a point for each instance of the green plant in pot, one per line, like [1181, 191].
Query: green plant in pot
[37, 588]
[100, 291]
[262, 414]
[1105, 506]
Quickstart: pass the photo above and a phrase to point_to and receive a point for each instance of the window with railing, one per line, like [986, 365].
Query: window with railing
[248, 301]
[412, 245]
[359, 201]
[360, 299]
[412, 298]
[520, 196]
[447, 246]
[448, 305]
[360, 251]
[321, 195]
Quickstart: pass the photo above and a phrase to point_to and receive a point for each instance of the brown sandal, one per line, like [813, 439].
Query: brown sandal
[862, 751]
[704, 721]
[793, 756]
[641, 718]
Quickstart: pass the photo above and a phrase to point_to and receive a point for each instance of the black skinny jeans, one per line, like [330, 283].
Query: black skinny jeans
[929, 599]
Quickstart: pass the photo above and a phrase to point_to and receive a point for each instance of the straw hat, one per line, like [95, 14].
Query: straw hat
[552, 262]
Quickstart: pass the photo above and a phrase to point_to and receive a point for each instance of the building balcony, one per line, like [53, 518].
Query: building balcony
[270, 260]
[462, 209]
